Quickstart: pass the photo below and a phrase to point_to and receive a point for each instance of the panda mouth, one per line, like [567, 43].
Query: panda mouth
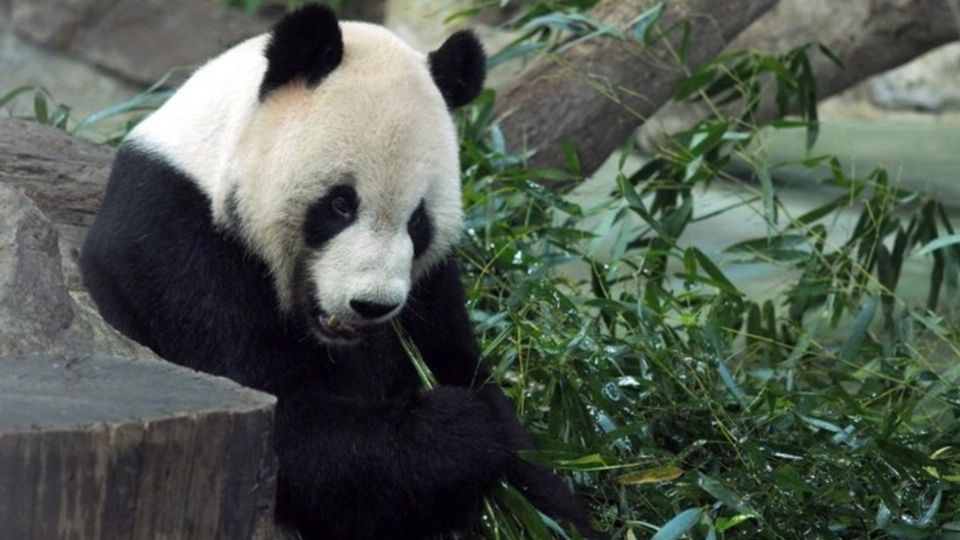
[333, 330]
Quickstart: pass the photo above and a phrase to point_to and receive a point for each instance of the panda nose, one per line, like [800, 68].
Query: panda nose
[371, 310]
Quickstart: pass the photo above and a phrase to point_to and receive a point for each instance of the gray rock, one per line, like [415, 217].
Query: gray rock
[54, 23]
[38, 313]
[929, 83]
[64, 176]
[352, 10]
[82, 87]
[140, 40]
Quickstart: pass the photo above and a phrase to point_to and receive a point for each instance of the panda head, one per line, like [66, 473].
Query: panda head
[345, 175]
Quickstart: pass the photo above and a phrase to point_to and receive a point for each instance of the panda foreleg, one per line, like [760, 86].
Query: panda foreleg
[543, 488]
[550, 495]
[388, 469]
[437, 321]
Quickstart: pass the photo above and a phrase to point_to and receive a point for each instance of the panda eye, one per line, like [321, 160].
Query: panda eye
[416, 218]
[420, 230]
[330, 214]
[342, 207]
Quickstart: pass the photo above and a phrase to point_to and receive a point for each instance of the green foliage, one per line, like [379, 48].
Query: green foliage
[680, 406]
[108, 126]
[42, 101]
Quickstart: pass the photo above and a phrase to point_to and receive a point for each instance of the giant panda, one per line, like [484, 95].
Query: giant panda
[297, 195]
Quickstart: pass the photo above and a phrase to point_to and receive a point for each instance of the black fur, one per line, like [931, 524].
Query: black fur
[305, 44]
[420, 230]
[363, 452]
[324, 220]
[458, 68]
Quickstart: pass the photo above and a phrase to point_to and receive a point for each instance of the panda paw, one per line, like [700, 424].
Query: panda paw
[467, 424]
[552, 496]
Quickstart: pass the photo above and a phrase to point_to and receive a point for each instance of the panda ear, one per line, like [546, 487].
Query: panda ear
[305, 44]
[458, 68]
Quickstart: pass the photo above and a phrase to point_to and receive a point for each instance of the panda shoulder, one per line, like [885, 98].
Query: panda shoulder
[197, 127]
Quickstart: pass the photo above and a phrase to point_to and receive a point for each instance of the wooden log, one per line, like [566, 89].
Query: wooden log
[888, 34]
[869, 36]
[99, 447]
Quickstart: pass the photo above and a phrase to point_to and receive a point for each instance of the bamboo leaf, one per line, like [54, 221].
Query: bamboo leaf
[679, 525]
[851, 345]
[725, 495]
[769, 209]
[940, 243]
[40, 107]
[571, 157]
[651, 476]
[642, 23]
[14, 94]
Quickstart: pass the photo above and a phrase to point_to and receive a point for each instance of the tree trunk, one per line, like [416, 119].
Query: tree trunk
[101, 448]
[869, 36]
[595, 94]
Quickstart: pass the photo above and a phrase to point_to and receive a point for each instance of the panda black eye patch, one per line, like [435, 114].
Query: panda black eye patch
[420, 230]
[330, 214]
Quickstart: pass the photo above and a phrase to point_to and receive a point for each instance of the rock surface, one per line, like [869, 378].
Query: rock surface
[139, 40]
[38, 313]
[64, 176]
[929, 83]
[78, 85]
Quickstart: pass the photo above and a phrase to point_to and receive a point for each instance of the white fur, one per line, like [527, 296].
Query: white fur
[378, 117]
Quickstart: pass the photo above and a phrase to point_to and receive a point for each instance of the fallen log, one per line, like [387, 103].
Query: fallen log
[868, 36]
[598, 92]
